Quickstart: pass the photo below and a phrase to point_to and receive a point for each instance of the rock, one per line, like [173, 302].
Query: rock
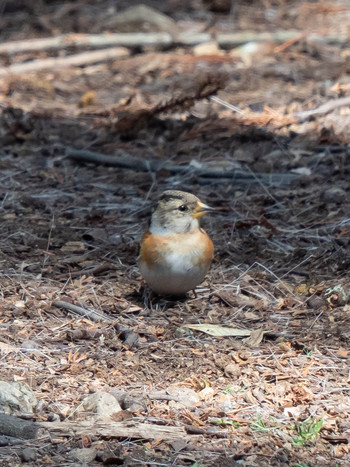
[179, 444]
[53, 417]
[206, 48]
[28, 455]
[275, 154]
[232, 370]
[315, 302]
[83, 455]
[305, 171]
[334, 195]
[130, 401]
[183, 333]
[183, 397]
[134, 403]
[29, 345]
[113, 457]
[16, 397]
[224, 402]
[243, 155]
[100, 405]
[206, 394]
[141, 18]
[253, 51]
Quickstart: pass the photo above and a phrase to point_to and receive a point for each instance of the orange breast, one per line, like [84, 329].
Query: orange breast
[174, 264]
[155, 248]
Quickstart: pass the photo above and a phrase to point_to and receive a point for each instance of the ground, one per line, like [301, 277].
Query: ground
[70, 232]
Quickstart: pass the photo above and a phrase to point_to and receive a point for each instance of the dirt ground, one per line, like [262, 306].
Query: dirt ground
[70, 231]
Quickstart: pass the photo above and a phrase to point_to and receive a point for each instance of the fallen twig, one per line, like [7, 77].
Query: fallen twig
[324, 108]
[94, 315]
[93, 271]
[235, 39]
[211, 431]
[125, 429]
[161, 39]
[288, 43]
[83, 58]
[206, 175]
[226, 104]
[85, 40]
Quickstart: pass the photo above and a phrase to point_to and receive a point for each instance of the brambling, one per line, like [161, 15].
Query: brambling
[176, 252]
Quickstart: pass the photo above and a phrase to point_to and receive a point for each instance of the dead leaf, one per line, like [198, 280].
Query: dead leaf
[342, 353]
[249, 398]
[251, 315]
[218, 331]
[293, 412]
[255, 337]
[302, 394]
[121, 416]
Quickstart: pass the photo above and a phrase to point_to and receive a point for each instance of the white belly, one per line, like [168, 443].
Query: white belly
[175, 277]
[177, 273]
[180, 263]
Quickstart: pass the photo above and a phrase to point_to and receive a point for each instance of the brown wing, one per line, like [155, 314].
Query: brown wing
[151, 249]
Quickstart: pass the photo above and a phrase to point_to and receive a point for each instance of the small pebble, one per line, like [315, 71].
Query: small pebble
[315, 302]
[334, 195]
[182, 333]
[232, 370]
[28, 455]
[84, 455]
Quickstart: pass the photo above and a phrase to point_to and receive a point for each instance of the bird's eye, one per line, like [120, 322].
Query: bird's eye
[182, 208]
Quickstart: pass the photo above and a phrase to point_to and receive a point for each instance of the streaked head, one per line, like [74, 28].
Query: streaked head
[177, 212]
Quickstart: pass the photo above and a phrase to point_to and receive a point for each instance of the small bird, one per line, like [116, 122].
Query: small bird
[176, 252]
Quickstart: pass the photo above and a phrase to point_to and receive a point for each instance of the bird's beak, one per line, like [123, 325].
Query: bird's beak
[201, 210]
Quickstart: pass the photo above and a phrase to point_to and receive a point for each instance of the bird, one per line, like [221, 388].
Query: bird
[175, 252]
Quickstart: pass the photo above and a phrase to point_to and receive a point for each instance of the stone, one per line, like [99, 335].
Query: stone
[83, 455]
[16, 397]
[28, 455]
[232, 370]
[141, 18]
[183, 397]
[243, 155]
[206, 48]
[100, 405]
[334, 195]
[315, 302]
